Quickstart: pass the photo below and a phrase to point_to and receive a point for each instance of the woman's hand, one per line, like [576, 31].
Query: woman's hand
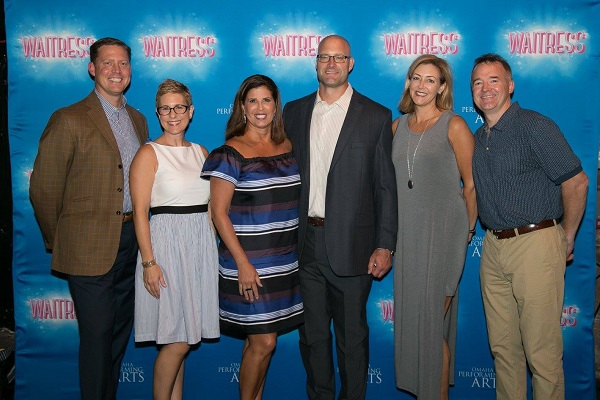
[248, 281]
[153, 280]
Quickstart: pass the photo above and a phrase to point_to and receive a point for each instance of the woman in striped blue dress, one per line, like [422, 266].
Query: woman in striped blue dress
[255, 187]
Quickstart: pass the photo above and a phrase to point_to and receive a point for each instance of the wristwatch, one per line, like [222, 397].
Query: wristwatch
[392, 252]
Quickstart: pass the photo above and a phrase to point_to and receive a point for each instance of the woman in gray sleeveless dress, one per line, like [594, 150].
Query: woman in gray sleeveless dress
[432, 151]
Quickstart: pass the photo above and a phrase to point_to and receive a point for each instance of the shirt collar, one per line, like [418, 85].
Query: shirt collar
[343, 102]
[507, 117]
[106, 104]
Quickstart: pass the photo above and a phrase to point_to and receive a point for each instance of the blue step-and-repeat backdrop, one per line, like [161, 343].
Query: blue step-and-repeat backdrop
[212, 46]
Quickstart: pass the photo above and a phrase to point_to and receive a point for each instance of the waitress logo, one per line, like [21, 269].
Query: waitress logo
[179, 46]
[417, 43]
[387, 310]
[547, 42]
[56, 47]
[293, 45]
[569, 316]
[52, 309]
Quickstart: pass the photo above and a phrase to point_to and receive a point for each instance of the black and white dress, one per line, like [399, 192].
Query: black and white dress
[185, 247]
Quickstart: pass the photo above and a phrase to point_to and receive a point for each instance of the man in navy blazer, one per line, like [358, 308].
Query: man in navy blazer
[342, 141]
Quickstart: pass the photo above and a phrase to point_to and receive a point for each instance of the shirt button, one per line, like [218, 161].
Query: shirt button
[119, 190]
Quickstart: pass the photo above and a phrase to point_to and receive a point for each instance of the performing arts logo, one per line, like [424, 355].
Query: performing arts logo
[478, 378]
[131, 373]
[225, 110]
[473, 116]
[398, 40]
[232, 371]
[374, 375]
[474, 249]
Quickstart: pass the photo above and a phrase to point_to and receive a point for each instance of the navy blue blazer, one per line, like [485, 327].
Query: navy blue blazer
[361, 200]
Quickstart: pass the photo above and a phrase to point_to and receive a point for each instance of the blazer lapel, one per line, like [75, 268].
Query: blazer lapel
[138, 126]
[98, 117]
[348, 128]
[304, 152]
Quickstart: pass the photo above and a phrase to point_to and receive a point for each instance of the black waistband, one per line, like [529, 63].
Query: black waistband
[179, 209]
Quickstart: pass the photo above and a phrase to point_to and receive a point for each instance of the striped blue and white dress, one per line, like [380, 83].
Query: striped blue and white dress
[264, 214]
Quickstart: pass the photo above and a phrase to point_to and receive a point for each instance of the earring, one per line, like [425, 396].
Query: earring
[244, 118]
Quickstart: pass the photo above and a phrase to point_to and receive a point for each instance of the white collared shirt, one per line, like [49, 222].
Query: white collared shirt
[325, 127]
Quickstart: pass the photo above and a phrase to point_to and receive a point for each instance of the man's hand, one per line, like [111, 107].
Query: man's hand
[380, 262]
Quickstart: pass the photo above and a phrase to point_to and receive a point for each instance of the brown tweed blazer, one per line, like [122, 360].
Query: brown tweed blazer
[76, 187]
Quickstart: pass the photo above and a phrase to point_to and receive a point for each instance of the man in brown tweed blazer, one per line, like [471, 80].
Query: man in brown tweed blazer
[80, 193]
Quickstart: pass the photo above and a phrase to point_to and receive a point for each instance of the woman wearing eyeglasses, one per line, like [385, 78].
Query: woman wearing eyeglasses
[176, 299]
[255, 187]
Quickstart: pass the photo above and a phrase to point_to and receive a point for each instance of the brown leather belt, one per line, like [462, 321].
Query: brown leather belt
[128, 216]
[316, 221]
[521, 230]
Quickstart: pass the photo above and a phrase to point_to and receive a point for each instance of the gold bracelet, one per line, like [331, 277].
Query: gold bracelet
[148, 264]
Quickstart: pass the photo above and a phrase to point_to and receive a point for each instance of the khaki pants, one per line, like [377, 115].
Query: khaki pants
[522, 283]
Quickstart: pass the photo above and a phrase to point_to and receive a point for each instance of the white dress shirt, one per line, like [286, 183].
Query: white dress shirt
[325, 127]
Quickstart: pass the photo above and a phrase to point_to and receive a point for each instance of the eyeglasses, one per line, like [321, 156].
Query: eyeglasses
[338, 58]
[166, 110]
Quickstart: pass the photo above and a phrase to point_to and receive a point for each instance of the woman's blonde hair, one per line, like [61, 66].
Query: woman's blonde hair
[443, 100]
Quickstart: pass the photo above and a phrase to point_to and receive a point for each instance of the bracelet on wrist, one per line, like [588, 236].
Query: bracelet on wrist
[148, 264]
[472, 231]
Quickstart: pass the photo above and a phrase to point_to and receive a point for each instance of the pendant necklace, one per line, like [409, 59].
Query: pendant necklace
[408, 163]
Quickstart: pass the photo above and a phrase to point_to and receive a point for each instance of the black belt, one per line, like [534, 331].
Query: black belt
[179, 209]
[316, 221]
[521, 230]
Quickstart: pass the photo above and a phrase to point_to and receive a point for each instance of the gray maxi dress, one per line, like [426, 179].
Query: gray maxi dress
[430, 253]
